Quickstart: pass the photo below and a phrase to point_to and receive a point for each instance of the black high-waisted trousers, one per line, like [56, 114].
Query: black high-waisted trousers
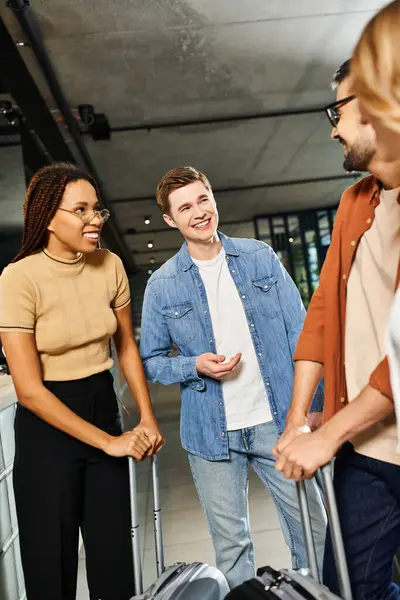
[61, 485]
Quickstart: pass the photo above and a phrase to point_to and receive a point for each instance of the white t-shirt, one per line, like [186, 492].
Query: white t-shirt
[369, 299]
[245, 396]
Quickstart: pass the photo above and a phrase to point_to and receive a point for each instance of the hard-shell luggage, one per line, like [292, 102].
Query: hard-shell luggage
[305, 583]
[195, 581]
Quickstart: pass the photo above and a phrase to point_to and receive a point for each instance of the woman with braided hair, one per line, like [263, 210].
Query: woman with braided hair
[61, 300]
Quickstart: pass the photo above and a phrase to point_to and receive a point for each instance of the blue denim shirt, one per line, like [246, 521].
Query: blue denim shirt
[175, 310]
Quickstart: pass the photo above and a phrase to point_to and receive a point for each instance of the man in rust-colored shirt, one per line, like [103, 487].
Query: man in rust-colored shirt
[343, 340]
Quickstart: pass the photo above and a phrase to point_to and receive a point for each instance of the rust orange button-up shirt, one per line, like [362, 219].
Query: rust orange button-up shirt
[322, 338]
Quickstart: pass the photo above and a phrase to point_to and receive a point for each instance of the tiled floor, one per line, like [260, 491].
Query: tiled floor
[185, 530]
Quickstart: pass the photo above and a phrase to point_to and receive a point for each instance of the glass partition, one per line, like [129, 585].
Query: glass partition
[11, 577]
[301, 241]
[12, 193]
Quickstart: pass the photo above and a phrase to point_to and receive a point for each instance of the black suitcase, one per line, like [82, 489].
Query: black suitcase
[303, 584]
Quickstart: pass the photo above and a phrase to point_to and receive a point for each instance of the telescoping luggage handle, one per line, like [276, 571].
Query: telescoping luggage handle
[335, 530]
[137, 560]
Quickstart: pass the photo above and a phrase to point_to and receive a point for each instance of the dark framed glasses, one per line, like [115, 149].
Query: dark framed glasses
[332, 110]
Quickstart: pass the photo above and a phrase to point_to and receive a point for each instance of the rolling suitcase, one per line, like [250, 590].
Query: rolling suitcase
[297, 585]
[195, 581]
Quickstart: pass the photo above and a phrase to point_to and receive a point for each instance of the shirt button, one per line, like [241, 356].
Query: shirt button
[198, 387]
[233, 271]
[260, 354]
[205, 312]
[243, 296]
[222, 433]
[252, 325]
[353, 243]
[219, 403]
[265, 287]
[369, 221]
[342, 400]
[176, 314]
[344, 276]
[267, 384]
[210, 341]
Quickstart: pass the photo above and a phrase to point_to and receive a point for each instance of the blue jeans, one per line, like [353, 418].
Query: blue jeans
[368, 496]
[223, 490]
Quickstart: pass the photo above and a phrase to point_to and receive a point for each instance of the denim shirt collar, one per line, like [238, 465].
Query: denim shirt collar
[186, 260]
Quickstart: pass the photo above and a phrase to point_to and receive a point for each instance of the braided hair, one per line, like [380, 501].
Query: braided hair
[43, 197]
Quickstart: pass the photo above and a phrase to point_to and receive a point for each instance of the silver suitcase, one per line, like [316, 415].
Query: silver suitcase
[195, 581]
[297, 585]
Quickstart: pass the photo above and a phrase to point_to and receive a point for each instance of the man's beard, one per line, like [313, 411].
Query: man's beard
[358, 159]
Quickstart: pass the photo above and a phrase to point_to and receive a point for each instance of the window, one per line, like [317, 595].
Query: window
[301, 241]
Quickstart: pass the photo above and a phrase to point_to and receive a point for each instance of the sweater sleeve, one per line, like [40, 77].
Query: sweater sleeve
[123, 295]
[17, 301]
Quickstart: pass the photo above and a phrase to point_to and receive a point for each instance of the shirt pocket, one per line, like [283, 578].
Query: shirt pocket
[181, 323]
[266, 296]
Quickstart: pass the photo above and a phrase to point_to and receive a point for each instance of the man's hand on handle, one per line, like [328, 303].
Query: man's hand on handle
[296, 454]
[293, 428]
[213, 365]
[302, 458]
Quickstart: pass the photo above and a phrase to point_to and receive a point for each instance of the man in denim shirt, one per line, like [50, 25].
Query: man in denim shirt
[234, 314]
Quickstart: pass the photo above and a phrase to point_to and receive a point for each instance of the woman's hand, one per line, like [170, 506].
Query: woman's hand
[152, 432]
[132, 369]
[132, 443]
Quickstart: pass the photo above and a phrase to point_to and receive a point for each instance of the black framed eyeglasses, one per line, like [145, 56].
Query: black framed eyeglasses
[332, 110]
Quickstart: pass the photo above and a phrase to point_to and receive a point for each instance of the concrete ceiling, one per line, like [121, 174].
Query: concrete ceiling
[169, 60]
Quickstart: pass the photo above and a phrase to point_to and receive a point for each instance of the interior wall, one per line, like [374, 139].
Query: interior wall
[12, 193]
